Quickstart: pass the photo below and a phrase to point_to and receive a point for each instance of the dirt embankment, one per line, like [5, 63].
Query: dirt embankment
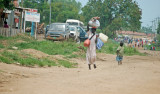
[137, 75]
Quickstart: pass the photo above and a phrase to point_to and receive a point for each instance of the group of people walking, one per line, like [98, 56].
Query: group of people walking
[137, 43]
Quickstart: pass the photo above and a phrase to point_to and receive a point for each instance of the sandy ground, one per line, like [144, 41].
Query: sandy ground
[137, 75]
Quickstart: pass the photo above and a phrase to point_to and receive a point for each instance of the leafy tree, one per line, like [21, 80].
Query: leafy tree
[61, 10]
[115, 14]
[146, 29]
[6, 4]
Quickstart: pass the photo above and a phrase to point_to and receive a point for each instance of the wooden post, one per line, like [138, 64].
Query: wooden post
[35, 33]
[24, 23]
[21, 22]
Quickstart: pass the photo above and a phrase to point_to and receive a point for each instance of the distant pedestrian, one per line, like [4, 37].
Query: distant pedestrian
[138, 44]
[135, 44]
[142, 43]
[5, 25]
[120, 52]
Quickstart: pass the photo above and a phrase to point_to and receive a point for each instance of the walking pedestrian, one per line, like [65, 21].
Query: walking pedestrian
[5, 25]
[142, 43]
[91, 50]
[120, 52]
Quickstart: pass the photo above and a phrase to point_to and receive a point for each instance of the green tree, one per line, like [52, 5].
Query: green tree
[6, 4]
[115, 14]
[147, 29]
[61, 10]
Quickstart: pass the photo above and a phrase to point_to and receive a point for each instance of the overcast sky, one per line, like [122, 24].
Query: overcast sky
[150, 10]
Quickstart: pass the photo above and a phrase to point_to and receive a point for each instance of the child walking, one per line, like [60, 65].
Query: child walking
[120, 52]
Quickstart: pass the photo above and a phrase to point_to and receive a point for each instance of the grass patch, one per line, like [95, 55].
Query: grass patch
[1, 46]
[25, 59]
[28, 60]
[11, 55]
[132, 51]
[49, 47]
[11, 41]
[67, 64]
[5, 60]
[4, 38]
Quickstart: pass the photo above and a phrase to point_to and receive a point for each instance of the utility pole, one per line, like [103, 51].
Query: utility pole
[50, 13]
[152, 26]
[12, 18]
[22, 3]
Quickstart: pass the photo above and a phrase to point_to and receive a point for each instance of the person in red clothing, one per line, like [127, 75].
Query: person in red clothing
[142, 43]
[6, 25]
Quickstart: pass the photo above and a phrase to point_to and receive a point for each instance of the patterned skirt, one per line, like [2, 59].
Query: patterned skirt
[119, 58]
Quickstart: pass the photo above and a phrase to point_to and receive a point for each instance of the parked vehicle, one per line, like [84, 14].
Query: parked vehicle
[74, 22]
[82, 34]
[46, 30]
[73, 32]
[58, 31]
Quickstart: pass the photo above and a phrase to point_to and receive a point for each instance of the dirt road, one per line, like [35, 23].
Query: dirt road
[137, 75]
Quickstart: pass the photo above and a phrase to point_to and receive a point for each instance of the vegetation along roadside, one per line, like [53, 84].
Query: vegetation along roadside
[66, 50]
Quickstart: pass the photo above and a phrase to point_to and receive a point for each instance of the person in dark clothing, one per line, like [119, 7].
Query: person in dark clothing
[6, 25]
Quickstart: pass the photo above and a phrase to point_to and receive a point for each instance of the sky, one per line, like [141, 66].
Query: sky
[150, 10]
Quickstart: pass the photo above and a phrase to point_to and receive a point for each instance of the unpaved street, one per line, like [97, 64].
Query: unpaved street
[137, 75]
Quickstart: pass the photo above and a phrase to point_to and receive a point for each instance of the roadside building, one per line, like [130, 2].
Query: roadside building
[14, 18]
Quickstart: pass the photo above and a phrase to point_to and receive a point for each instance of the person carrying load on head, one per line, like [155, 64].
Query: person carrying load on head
[91, 50]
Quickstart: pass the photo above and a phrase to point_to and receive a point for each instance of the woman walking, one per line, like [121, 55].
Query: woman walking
[91, 50]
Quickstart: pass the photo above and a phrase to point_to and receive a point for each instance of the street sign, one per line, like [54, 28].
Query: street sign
[31, 16]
